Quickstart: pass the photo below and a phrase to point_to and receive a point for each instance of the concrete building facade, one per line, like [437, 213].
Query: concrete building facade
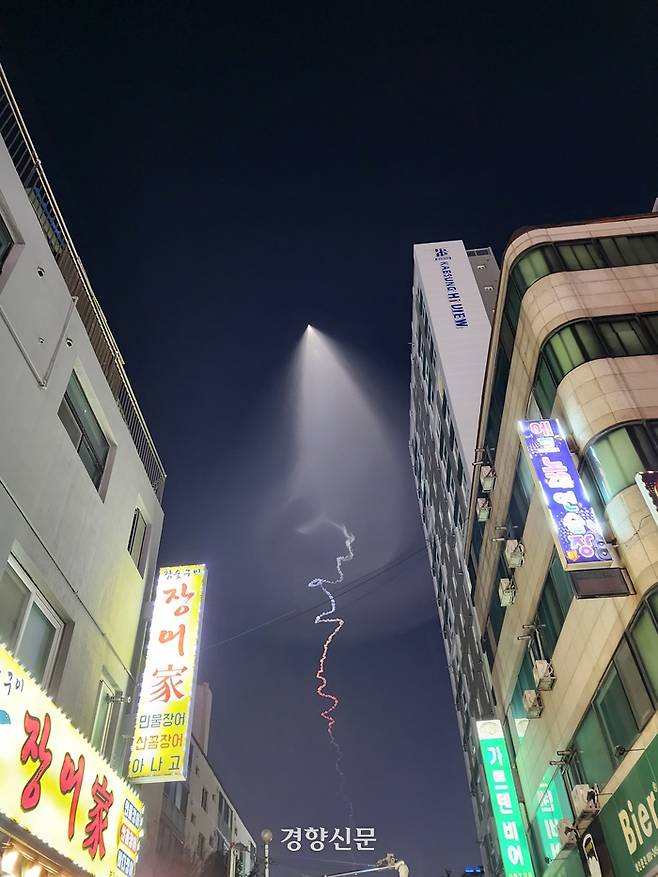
[572, 655]
[454, 291]
[187, 822]
[80, 479]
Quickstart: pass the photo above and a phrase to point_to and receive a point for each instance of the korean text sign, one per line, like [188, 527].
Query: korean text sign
[504, 802]
[164, 716]
[576, 529]
[57, 786]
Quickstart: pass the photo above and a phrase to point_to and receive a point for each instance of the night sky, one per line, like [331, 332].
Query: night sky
[232, 174]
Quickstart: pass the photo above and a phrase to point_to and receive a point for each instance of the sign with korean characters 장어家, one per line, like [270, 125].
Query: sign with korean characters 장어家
[576, 530]
[504, 801]
[164, 715]
[54, 784]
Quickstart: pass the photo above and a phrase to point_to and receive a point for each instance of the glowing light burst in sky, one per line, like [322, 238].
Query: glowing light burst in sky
[329, 617]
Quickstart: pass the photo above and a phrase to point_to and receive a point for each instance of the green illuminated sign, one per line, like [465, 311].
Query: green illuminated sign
[504, 802]
[549, 812]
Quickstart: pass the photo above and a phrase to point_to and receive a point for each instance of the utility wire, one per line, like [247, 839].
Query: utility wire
[295, 613]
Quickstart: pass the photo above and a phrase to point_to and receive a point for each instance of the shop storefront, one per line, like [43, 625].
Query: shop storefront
[63, 809]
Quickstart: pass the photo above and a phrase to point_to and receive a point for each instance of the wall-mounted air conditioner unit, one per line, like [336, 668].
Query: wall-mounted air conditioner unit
[532, 703]
[585, 799]
[567, 834]
[487, 478]
[514, 553]
[544, 675]
[483, 508]
[506, 592]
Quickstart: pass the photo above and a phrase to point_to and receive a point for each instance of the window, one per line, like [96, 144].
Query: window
[613, 459]
[554, 604]
[84, 430]
[204, 799]
[28, 625]
[538, 262]
[623, 704]
[201, 846]
[101, 736]
[587, 340]
[644, 638]
[137, 538]
[5, 242]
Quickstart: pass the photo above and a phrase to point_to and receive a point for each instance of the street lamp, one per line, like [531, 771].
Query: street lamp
[266, 837]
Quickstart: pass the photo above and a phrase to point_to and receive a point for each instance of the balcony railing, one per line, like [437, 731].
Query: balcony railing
[29, 169]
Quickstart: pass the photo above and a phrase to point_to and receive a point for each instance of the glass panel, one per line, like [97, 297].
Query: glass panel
[645, 640]
[612, 252]
[644, 249]
[622, 338]
[36, 643]
[560, 582]
[13, 600]
[545, 387]
[90, 462]
[90, 426]
[102, 714]
[617, 460]
[5, 242]
[593, 754]
[589, 340]
[137, 537]
[564, 353]
[615, 711]
[70, 423]
[551, 619]
[635, 689]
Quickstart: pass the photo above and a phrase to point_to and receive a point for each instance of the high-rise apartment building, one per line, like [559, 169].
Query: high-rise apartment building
[454, 292]
[562, 548]
[80, 523]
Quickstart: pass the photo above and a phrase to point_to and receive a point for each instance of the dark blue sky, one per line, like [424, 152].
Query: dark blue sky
[230, 175]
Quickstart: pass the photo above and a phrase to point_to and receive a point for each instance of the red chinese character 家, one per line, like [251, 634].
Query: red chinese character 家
[103, 798]
[167, 684]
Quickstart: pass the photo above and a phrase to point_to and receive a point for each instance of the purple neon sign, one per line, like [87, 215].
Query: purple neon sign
[577, 532]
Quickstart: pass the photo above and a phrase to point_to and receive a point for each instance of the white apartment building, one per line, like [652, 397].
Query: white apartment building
[454, 291]
[80, 494]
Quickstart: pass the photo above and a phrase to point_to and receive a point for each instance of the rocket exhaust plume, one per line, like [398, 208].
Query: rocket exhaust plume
[329, 617]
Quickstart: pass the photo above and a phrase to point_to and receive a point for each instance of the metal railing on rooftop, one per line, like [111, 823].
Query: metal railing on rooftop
[28, 166]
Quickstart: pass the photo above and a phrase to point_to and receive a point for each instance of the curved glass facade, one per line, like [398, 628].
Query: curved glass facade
[586, 340]
[551, 258]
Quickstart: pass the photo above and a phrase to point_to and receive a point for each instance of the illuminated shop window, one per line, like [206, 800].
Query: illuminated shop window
[28, 625]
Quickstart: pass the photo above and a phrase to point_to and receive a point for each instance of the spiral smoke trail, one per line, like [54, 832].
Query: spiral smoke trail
[329, 617]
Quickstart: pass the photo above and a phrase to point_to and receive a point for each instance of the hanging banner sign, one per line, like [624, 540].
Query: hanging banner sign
[576, 530]
[504, 801]
[54, 784]
[164, 717]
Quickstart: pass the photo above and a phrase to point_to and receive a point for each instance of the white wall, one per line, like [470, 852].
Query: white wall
[461, 349]
[71, 538]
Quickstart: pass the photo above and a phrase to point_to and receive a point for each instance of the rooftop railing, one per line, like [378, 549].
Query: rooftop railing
[28, 167]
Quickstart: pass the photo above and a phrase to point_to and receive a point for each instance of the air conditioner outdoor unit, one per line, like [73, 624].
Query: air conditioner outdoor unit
[567, 833]
[544, 675]
[487, 478]
[483, 508]
[514, 553]
[506, 592]
[532, 703]
[585, 799]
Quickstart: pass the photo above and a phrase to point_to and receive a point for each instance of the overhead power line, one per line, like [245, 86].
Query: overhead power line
[295, 613]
